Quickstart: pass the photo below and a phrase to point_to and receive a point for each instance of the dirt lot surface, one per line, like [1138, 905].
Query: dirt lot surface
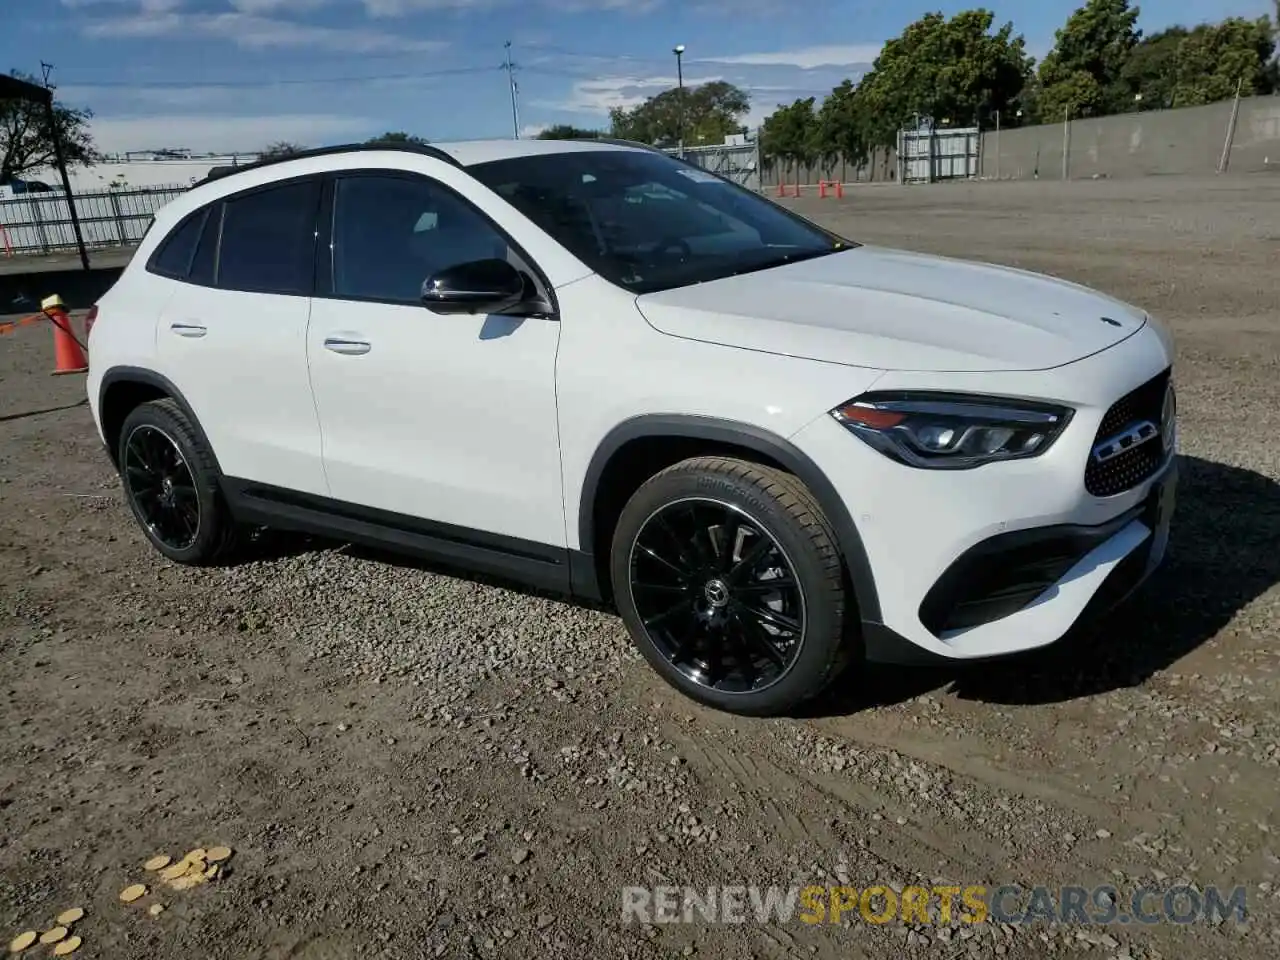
[413, 765]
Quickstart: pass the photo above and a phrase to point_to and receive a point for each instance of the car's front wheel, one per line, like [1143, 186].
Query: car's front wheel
[727, 576]
[171, 485]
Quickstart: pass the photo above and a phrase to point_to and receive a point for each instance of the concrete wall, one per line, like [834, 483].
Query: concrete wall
[21, 292]
[883, 167]
[1158, 142]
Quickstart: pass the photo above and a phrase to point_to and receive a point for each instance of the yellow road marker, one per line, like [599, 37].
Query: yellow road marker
[22, 941]
[67, 946]
[132, 893]
[158, 862]
[68, 917]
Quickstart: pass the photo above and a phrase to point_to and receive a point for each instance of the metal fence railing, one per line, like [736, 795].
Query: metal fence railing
[41, 222]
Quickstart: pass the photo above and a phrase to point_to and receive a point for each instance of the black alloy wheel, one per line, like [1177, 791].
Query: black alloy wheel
[729, 580]
[717, 595]
[161, 486]
[171, 484]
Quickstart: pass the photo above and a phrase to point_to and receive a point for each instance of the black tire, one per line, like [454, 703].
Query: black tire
[765, 501]
[156, 426]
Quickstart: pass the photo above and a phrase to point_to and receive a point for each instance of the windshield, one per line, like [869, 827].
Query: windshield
[647, 222]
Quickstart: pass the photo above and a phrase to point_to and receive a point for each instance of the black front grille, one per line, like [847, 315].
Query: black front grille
[1132, 466]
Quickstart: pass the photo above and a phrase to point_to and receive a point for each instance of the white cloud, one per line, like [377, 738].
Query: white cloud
[276, 6]
[808, 58]
[144, 6]
[400, 8]
[613, 6]
[531, 130]
[255, 32]
[230, 134]
[599, 94]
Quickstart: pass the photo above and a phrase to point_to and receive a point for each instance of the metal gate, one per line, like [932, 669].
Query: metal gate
[927, 154]
[739, 162]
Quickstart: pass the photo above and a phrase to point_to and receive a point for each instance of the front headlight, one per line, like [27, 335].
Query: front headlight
[942, 431]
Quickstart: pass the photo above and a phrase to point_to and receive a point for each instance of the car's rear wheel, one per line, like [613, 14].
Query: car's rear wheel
[172, 486]
[728, 578]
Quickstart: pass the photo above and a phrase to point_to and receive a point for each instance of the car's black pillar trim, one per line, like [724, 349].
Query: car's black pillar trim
[752, 438]
[129, 374]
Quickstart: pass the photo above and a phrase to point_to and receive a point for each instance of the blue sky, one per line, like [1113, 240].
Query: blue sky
[237, 74]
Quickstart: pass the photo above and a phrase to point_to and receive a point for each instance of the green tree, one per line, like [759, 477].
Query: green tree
[1083, 72]
[843, 126]
[710, 112]
[1214, 59]
[790, 134]
[280, 149]
[1151, 71]
[953, 69]
[26, 136]
[397, 136]
[566, 131]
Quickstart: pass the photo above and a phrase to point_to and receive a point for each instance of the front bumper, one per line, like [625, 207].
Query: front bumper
[1009, 557]
[1112, 560]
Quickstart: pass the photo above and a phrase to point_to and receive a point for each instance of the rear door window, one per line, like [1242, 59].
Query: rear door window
[268, 239]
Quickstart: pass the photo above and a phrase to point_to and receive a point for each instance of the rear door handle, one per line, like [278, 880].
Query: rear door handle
[350, 348]
[188, 329]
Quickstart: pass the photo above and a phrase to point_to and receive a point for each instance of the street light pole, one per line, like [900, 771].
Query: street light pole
[678, 50]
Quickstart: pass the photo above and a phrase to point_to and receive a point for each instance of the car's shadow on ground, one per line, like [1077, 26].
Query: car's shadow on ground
[1224, 552]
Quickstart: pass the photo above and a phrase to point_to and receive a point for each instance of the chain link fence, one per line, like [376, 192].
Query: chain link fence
[40, 223]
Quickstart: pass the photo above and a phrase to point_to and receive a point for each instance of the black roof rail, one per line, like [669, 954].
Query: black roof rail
[423, 149]
[619, 142]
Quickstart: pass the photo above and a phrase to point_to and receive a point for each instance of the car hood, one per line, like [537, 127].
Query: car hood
[892, 310]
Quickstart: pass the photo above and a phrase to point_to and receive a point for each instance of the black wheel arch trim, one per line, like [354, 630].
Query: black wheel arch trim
[685, 426]
[128, 374]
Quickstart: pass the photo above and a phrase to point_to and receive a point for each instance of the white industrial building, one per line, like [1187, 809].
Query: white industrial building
[160, 168]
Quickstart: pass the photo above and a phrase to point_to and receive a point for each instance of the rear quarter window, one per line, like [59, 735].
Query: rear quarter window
[172, 257]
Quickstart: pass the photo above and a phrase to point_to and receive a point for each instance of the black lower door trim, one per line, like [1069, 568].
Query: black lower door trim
[527, 562]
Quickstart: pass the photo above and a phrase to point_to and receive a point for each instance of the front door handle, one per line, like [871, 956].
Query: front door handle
[188, 329]
[350, 348]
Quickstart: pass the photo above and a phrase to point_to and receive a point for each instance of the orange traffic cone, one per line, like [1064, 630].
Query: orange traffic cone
[68, 354]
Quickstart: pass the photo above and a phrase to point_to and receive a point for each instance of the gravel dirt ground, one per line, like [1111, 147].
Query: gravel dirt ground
[408, 764]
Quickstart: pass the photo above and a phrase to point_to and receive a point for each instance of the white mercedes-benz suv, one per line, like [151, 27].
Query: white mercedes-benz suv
[594, 368]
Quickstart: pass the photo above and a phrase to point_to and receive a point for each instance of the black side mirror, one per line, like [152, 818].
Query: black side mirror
[478, 286]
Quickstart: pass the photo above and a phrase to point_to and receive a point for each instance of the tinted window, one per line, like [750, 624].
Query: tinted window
[204, 261]
[391, 233]
[268, 240]
[648, 222]
[174, 256]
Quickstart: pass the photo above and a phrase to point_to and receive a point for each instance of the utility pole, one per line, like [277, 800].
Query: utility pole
[1066, 141]
[60, 159]
[678, 50]
[511, 77]
[1225, 161]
